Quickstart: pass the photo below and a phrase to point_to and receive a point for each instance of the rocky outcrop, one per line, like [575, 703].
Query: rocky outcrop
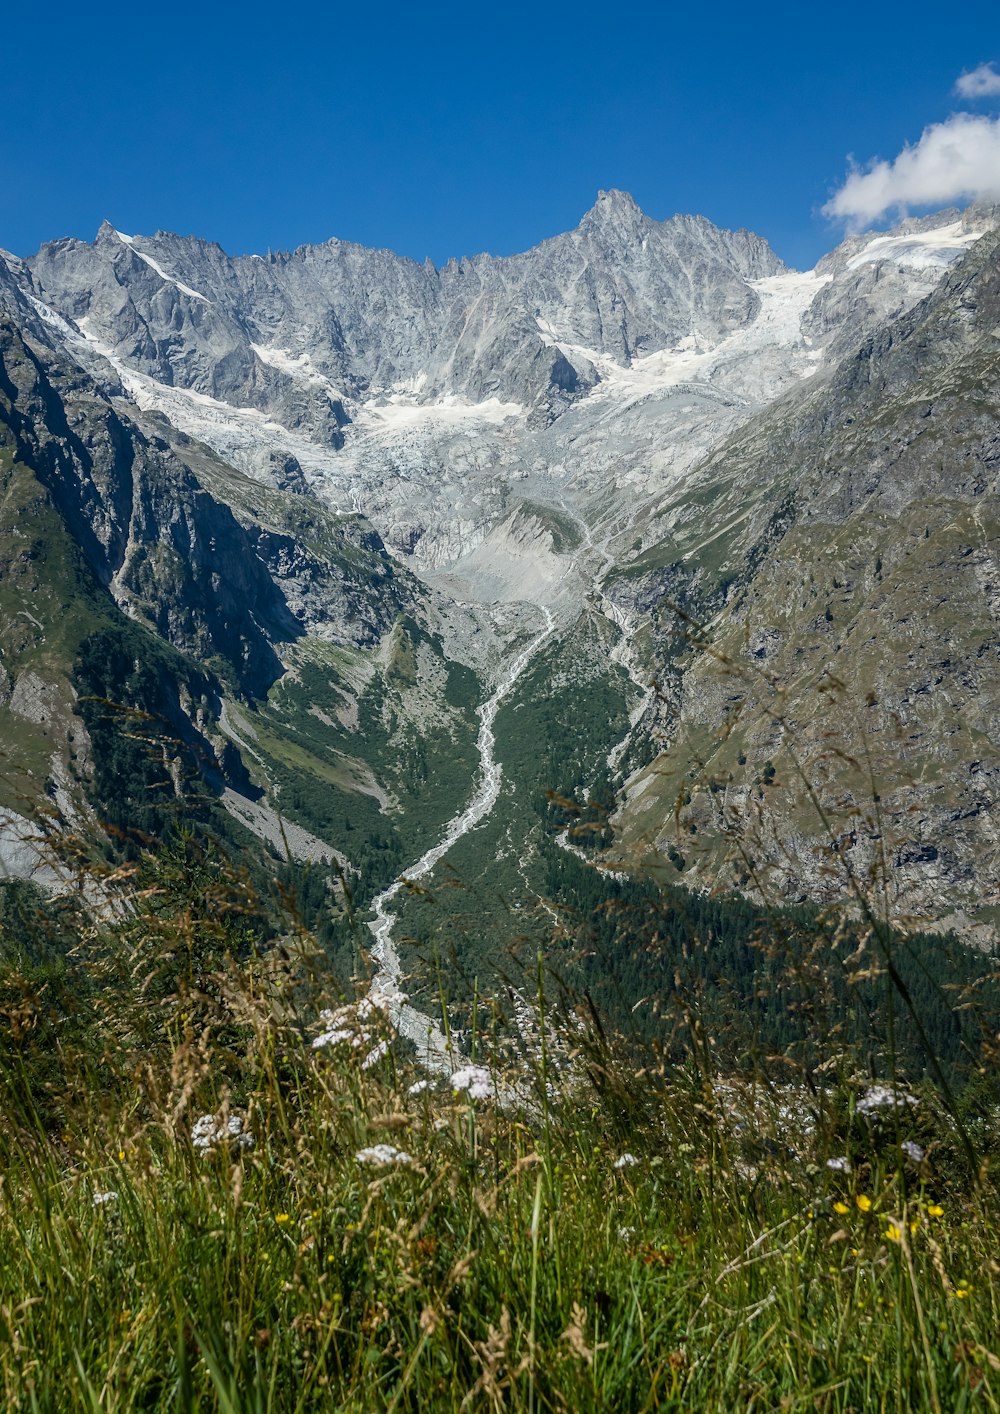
[215, 579]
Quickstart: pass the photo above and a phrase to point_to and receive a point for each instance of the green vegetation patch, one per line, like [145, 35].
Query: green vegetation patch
[372, 751]
[483, 910]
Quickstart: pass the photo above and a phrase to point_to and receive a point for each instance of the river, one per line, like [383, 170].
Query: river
[431, 1043]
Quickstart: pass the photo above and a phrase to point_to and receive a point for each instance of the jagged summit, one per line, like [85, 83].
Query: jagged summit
[298, 337]
[614, 206]
[616, 199]
[616, 221]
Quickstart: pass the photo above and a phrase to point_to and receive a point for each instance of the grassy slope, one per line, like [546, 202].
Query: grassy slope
[857, 648]
[824, 669]
[371, 749]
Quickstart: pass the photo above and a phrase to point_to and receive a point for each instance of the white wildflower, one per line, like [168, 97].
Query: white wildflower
[382, 1155]
[626, 1232]
[418, 1087]
[625, 1161]
[377, 1003]
[350, 1025]
[841, 1164]
[884, 1097]
[102, 1200]
[210, 1130]
[334, 1037]
[475, 1080]
[373, 1057]
[912, 1150]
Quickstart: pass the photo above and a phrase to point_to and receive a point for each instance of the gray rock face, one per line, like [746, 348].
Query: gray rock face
[216, 583]
[875, 278]
[861, 633]
[293, 335]
[588, 372]
[627, 286]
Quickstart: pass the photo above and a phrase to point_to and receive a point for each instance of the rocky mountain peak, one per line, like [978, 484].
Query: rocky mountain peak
[614, 206]
[615, 220]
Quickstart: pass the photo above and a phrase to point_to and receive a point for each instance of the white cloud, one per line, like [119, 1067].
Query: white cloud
[956, 160]
[983, 82]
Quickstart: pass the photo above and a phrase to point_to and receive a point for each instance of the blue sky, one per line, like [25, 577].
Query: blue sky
[451, 129]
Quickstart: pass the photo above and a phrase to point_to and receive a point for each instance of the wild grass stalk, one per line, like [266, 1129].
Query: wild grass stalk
[201, 1208]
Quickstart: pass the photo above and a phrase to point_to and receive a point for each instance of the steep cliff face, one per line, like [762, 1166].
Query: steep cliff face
[293, 335]
[846, 715]
[586, 375]
[56, 605]
[627, 286]
[139, 572]
[165, 549]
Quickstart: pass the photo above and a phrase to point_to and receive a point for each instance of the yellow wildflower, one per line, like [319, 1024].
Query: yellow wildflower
[839, 1207]
[864, 1202]
[281, 1217]
[894, 1232]
[935, 1210]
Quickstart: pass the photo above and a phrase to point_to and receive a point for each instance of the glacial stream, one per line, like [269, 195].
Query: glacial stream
[426, 1034]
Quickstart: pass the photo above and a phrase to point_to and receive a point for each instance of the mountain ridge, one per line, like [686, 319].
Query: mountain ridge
[606, 205]
[415, 464]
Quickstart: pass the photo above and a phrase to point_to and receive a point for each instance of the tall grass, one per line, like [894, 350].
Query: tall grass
[602, 1233]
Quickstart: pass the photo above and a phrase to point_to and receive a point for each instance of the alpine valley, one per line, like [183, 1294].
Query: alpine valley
[636, 560]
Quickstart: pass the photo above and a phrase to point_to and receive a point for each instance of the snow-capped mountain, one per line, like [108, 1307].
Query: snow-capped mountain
[295, 335]
[598, 365]
[354, 489]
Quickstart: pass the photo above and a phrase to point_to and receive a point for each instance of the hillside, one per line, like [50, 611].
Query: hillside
[858, 662]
